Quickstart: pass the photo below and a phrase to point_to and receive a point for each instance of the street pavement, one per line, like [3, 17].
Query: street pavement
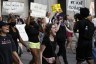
[26, 56]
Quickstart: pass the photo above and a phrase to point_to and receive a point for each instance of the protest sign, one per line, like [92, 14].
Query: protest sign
[12, 7]
[38, 10]
[75, 5]
[56, 8]
[21, 29]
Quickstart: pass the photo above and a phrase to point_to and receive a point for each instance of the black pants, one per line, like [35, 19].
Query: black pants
[62, 51]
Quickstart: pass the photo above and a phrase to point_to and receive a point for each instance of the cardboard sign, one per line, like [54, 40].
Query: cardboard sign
[75, 5]
[12, 7]
[38, 10]
[21, 29]
[56, 8]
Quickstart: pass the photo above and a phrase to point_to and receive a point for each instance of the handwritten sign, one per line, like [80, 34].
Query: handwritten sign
[21, 29]
[12, 7]
[56, 8]
[75, 5]
[38, 10]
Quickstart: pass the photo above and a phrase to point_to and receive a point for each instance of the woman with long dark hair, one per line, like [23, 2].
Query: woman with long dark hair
[48, 46]
[14, 32]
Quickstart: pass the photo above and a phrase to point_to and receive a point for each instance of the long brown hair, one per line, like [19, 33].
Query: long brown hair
[10, 18]
[48, 29]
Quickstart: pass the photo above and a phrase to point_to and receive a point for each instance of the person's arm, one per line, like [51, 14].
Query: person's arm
[42, 48]
[68, 29]
[76, 27]
[28, 19]
[16, 58]
[14, 53]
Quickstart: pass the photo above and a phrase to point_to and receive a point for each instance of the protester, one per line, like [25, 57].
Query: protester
[47, 18]
[19, 20]
[69, 25]
[61, 38]
[54, 18]
[42, 24]
[48, 46]
[7, 46]
[32, 30]
[84, 44]
[14, 32]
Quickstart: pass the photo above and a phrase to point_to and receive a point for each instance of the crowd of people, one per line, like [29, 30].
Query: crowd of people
[44, 34]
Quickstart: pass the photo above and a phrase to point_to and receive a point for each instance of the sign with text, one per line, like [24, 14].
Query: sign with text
[12, 7]
[56, 8]
[38, 10]
[75, 5]
[21, 29]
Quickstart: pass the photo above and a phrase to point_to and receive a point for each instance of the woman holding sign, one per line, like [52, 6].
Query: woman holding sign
[32, 30]
[15, 33]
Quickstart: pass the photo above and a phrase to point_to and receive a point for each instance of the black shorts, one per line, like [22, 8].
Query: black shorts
[84, 51]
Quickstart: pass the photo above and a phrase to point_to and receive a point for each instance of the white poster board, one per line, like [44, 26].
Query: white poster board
[12, 7]
[92, 11]
[75, 5]
[21, 29]
[38, 10]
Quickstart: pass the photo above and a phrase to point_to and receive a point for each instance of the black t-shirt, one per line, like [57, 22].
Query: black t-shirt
[32, 32]
[61, 34]
[86, 29]
[7, 46]
[50, 47]
[15, 36]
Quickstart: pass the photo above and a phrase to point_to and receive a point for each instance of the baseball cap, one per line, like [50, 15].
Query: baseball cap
[3, 23]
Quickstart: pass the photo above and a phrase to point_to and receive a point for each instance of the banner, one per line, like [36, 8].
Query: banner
[21, 29]
[12, 7]
[56, 8]
[75, 5]
[38, 10]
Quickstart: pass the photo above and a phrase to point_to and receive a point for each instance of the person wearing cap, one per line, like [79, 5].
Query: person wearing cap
[84, 44]
[7, 46]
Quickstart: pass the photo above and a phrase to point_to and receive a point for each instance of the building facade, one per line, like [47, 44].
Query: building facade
[48, 3]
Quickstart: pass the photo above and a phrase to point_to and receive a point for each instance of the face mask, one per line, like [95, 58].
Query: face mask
[12, 24]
